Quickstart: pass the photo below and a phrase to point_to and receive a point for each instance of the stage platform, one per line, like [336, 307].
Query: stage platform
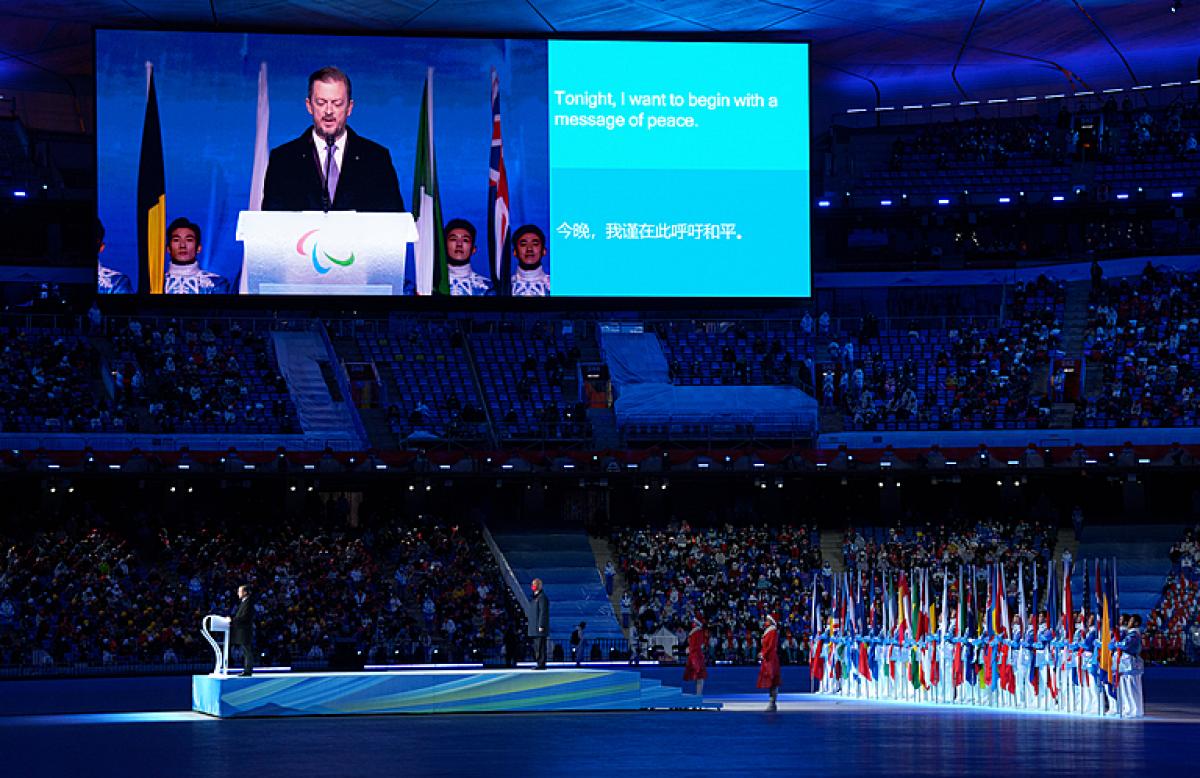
[434, 691]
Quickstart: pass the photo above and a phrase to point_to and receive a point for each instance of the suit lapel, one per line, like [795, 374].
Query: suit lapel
[312, 161]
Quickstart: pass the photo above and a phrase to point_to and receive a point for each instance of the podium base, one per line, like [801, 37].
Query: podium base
[433, 691]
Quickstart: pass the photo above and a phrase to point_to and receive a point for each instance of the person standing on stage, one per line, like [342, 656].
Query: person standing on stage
[577, 642]
[696, 669]
[539, 622]
[241, 628]
[768, 671]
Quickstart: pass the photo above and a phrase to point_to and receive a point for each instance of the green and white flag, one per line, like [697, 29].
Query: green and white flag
[429, 252]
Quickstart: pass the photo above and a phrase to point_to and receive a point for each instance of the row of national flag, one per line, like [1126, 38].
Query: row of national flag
[430, 262]
[904, 608]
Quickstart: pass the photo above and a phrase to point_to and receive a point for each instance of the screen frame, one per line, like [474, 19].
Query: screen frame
[128, 303]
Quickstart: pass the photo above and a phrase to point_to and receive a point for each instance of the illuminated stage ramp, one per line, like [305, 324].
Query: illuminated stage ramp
[433, 691]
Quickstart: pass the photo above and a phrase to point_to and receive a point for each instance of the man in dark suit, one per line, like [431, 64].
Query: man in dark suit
[241, 628]
[330, 167]
[539, 622]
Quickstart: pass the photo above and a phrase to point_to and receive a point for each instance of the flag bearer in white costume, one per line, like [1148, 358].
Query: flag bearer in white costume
[529, 249]
[460, 247]
[1131, 667]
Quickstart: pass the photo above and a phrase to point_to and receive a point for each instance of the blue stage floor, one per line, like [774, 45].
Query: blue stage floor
[419, 691]
[808, 735]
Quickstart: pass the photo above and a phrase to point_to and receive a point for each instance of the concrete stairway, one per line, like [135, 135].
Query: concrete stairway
[831, 549]
[304, 360]
[602, 552]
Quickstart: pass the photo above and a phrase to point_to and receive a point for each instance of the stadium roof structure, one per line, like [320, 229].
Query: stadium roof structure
[865, 53]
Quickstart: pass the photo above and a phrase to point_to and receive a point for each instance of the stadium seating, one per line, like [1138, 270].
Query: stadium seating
[730, 576]
[49, 383]
[435, 392]
[201, 376]
[1141, 333]
[130, 594]
[522, 373]
[710, 353]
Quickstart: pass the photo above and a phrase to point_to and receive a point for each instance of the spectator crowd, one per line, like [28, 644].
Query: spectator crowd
[46, 384]
[97, 593]
[1173, 626]
[729, 576]
[946, 546]
[201, 376]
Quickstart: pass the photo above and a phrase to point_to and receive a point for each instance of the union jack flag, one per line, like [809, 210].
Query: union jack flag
[499, 250]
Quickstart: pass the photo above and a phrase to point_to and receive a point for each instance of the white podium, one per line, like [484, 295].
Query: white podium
[214, 623]
[318, 253]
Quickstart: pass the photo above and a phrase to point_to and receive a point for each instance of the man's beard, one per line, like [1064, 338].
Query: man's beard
[330, 138]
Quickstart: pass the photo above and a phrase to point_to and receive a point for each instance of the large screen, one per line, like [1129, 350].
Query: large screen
[233, 163]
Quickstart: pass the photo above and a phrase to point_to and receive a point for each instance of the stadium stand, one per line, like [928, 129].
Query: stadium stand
[108, 592]
[48, 380]
[730, 576]
[973, 542]
[714, 353]
[1173, 625]
[434, 391]
[1142, 334]
[523, 374]
[198, 376]
[983, 156]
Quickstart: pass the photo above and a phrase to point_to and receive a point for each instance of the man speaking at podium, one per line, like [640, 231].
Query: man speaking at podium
[330, 167]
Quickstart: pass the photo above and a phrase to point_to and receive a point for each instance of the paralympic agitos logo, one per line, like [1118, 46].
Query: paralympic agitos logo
[316, 253]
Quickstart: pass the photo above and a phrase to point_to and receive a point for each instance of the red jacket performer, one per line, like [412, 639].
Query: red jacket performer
[768, 671]
[695, 669]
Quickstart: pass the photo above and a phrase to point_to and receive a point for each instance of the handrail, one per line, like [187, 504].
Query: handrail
[339, 372]
[506, 570]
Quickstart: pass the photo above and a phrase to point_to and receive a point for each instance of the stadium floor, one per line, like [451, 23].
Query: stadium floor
[808, 735]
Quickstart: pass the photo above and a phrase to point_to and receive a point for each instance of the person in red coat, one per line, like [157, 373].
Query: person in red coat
[768, 671]
[695, 669]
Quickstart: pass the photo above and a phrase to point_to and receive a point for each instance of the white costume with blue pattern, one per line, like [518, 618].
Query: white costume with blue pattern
[465, 282]
[531, 283]
[192, 279]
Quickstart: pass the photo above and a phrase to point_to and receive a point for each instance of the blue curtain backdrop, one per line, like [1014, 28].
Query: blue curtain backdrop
[207, 87]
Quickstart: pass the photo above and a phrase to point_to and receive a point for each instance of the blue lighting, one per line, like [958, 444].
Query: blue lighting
[1122, 196]
[143, 717]
[943, 201]
[1058, 198]
[822, 203]
[19, 193]
[1005, 199]
[885, 202]
[1176, 195]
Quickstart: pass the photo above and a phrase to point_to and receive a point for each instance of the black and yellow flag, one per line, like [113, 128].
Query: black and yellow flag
[151, 198]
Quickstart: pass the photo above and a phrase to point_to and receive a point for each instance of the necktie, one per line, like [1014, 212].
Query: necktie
[331, 173]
